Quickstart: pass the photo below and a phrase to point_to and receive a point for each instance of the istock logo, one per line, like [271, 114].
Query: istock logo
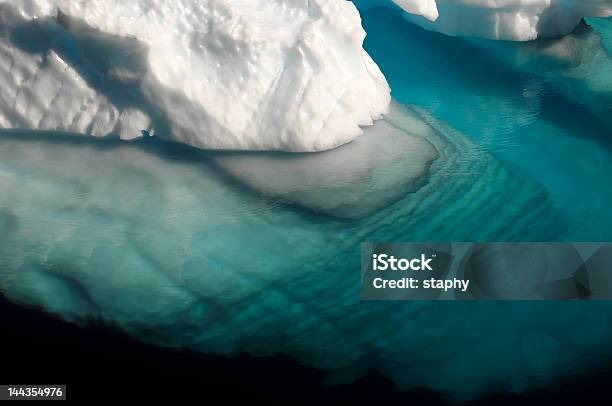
[383, 262]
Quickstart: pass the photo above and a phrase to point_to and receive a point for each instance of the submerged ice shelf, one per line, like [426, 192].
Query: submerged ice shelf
[387, 162]
[152, 237]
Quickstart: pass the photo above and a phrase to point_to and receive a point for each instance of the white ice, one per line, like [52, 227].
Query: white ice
[221, 74]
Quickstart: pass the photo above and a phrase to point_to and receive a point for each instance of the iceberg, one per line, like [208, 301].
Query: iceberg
[232, 252]
[515, 20]
[221, 74]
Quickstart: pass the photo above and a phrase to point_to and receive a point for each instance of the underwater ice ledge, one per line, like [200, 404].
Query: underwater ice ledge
[389, 161]
[150, 238]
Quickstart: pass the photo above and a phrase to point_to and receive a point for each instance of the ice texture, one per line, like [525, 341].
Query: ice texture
[221, 74]
[516, 20]
[385, 164]
[153, 239]
[227, 252]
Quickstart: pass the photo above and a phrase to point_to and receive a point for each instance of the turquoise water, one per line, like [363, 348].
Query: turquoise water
[550, 119]
[259, 253]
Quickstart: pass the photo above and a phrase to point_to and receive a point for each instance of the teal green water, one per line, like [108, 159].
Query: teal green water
[160, 241]
[550, 118]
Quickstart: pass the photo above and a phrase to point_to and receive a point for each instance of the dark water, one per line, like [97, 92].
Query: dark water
[102, 363]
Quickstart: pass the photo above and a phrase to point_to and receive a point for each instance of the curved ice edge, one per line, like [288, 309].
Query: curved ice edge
[407, 156]
[372, 172]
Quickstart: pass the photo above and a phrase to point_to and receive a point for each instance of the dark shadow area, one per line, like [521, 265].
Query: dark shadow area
[577, 118]
[110, 64]
[104, 364]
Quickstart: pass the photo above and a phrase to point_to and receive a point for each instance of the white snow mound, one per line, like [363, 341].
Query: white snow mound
[219, 74]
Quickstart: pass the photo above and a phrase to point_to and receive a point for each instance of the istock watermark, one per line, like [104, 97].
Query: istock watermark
[422, 263]
[383, 262]
[486, 271]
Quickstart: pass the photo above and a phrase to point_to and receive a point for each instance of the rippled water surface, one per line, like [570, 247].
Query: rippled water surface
[552, 119]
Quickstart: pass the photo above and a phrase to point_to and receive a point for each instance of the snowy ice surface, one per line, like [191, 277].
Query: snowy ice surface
[221, 74]
[425, 8]
[516, 20]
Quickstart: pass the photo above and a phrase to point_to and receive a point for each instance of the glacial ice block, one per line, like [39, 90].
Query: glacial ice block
[516, 20]
[221, 74]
